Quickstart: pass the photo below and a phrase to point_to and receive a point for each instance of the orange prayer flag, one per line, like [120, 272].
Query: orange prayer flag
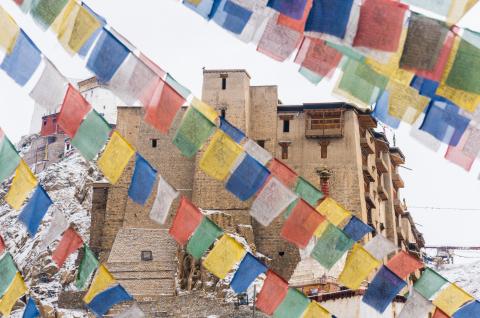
[403, 264]
[185, 222]
[73, 111]
[272, 294]
[283, 173]
[70, 242]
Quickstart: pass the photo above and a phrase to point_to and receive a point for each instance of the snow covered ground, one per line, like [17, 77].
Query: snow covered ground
[466, 275]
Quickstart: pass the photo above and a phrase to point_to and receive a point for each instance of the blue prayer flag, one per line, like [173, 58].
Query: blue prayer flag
[292, 8]
[102, 303]
[329, 17]
[424, 86]
[22, 62]
[247, 272]
[356, 229]
[107, 56]
[235, 133]
[237, 17]
[34, 211]
[383, 289]
[143, 180]
[204, 8]
[86, 47]
[247, 179]
[381, 111]
[469, 310]
[31, 310]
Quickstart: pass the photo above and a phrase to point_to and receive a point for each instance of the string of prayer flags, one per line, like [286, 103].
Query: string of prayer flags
[73, 111]
[163, 201]
[429, 283]
[132, 312]
[451, 298]
[185, 222]
[220, 156]
[333, 211]
[92, 135]
[107, 56]
[257, 152]
[283, 173]
[31, 310]
[272, 294]
[315, 310]
[102, 280]
[469, 310]
[271, 201]
[194, 131]
[405, 102]
[234, 133]
[247, 178]
[331, 246]
[234, 17]
[203, 237]
[206, 110]
[9, 158]
[462, 75]
[380, 247]
[465, 153]
[403, 264]
[329, 17]
[35, 209]
[143, 180]
[293, 9]
[70, 243]
[248, 270]
[8, 270]
[293, 305]
[23, 60]
[226, 253]
[301, 224]
[10, 31]
[58, 225]
[105, 300]
[115, 158]
[316, 56]
[358, 266]
[44, 12]
[87, 267]
[416, 306]
[296, 24]
[356, 229]
[23, 183]
[383, 289]
[16, 290]
[50, 88]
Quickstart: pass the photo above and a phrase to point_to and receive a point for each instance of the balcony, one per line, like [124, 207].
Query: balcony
[368, 172]
[326, 123]
[370, 198]
[398, 205]
[397, 180]
[382, 166]
[367, 143]
[382, 190]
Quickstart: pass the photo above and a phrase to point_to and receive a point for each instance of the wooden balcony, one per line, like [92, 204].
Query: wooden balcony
[327, 123]
[368, 173]
[397, 180]
[382, 166]
[382, 190]
[398, 206]
[370, 198]
[367, 143]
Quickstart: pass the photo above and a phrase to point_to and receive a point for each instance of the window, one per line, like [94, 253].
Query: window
[323, 148]
[223, 113]
[261, 143]
[284, 146]
[281, 253]
[51, 139]
[154, 143]
[44, 122]
[224, 83]
[286, 125]
[147, 256]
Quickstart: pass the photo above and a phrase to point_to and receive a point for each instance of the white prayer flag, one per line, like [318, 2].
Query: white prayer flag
[380, 247]
[416, 306]
[161, 206]
[132, 312]
[50, 88]
[257, 152]
[58, 225]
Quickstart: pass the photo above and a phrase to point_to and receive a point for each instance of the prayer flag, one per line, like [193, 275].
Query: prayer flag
[92, 135]
[416, 306]
[70, 243]
[469, 310]
[225, 254]
[232, 17]
[307, 191]
[234, 133]
[381, 111]
[9, 158]
[115, 157]
[8, 270]
[10, 31]
[143, 180]
[102, 280]
[31, 310]
[458, 9]
[429, 283]
[439, 314]
[201, 7]
[425, 86]
[87, 267]
[185, 222]
[462, 75]
[203, 237]
[163, 201]
[194, 131]
[291, 8]
[405, 102]
[35, 209]
[331, 246]
[105, 300]
[249, 269]
[132, 312]
[356, 229]
[329, 17]
[206, 110]
[283, 173]
[58, 225]
[296, 24]
[315, 310]
[73, 111]
[318, 57]
[16, 290]
[257, 152]
[88, 45]
[179, 88]
[312, 77]
[403, 264]
[24, 59]
[247, 178]
[358, 267]
[50, 88]
[279, 41]
[333, 211]
[440, 7]
[301, 224]
[107, 56]
[465, 153]
[220, 156]
[271, 201]
[383, 289]
[44, 12]
[272, 294]
[380, 247]
[23, 183]
[293, 305]
[451, 298]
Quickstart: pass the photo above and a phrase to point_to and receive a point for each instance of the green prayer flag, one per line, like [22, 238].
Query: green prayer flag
[9, 159]
[44, 12]
[179, 88]
[357, 86]
[347, 51]
[331, 246]
[87, 266]
[193, 132]
[366, 73]
[308, 192]
[429, 283]
[293, 305]
[8, 270]
[464, 74]
[204, 236]
[92, 135]
[312, 77]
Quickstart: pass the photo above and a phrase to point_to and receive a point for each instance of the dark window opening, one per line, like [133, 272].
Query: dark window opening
[281, 253]
[261, 143]
[45, 123]
[224, 83]
[51, 139]
[147, 256]
[286, 126]
[323, 148]
[154, 143]
[284, 146]
[223, 113]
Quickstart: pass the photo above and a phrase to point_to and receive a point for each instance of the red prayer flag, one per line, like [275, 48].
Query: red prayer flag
[301, 224]
[2, 245]
[440, 314]
[380, 25]
[318, 57]
[186, 221]
[74, 109]
[69, 243]
[283, 173]
[151, 64]
[272, 294]
[161, 103]
[403, 264]
[297, 25]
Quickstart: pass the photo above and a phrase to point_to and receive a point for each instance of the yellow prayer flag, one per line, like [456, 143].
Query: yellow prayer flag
[16, 290]
[220, 156]
[315, 310]
[405, 102]
[9, 33]
[23, 183]
[194, 2]
[358, 266]
[450, 299]
[225, 254]
[458, 9]
[103, 279]
[333, 211]
[77, 29]
[321, 228]
[115, 158]
[208, 111]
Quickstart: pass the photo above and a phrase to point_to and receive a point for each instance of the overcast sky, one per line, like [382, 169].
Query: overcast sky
[181, 42]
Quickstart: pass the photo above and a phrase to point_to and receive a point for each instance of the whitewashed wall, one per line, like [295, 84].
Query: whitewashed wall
[353, 307]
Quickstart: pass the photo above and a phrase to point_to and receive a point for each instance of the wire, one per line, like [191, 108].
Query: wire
[442, 208]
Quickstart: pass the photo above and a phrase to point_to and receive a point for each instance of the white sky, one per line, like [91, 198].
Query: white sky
[181, 42]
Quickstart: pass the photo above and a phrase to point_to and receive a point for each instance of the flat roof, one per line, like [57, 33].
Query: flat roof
[313, 106]
[227, 71]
